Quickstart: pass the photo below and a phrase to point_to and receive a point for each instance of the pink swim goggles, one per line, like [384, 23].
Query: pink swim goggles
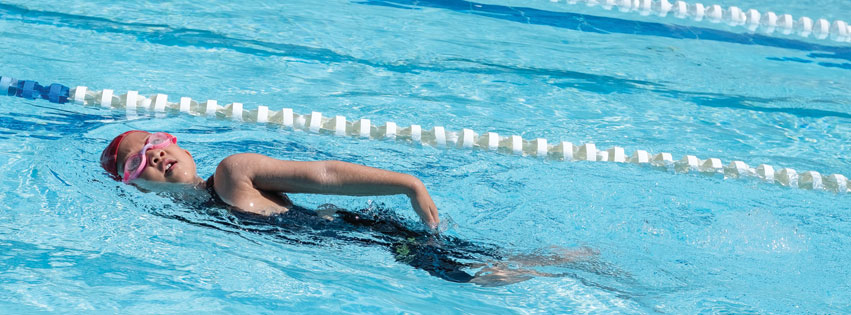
[136, 163]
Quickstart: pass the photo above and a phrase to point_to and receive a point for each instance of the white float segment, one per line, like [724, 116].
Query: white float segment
[737, 169]
[687, 163]
[185, 104]
[235, 111]
[615, 154]
[663, 159]
[362, 128]
[624, 5]
[339, 126]
[160, 102]
[493, 140]
[315, 122]
[821, 28]
[5, 84]
[765, 172]
[130, 100]
[262, 114]
[639, 157]
[661, 7]
[768, 22]
[390, 130]
[839, 31]
[697, 11]
[836, 183]
[644, 7]
[80, 95]
[211, 107]
[565, 149]
[515, 144]
[752, 19]
[439, 136]
[805, 26]
[467, 138]
[711, 165]
[714, 13]
[106, 98]
[787, 177]
[734, 16]
[786, 24]
[541, 148]
[810, 180]
[287, 120]
[586, 152]
[416, 133]
[680, 9]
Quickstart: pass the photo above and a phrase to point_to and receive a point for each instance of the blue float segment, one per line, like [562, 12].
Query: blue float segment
[8, 85]
[29, 89]
[56, 93]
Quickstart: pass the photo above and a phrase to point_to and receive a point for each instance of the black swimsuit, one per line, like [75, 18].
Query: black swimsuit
[212, 191]
[436, 254]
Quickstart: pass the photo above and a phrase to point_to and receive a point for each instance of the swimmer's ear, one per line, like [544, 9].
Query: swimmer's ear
[187, 152]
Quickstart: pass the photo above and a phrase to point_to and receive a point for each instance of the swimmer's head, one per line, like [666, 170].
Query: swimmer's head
[162, 164]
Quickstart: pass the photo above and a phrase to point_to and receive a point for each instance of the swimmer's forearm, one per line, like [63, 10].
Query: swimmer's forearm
[359, 180]
[353, 179]
[336, 178]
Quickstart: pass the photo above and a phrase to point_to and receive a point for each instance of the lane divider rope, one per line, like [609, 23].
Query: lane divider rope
[766, 22]
[437, 136]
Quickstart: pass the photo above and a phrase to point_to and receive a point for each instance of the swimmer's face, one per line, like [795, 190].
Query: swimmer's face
[171, 164]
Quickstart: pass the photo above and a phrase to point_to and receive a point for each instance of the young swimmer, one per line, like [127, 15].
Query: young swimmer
[256, 186]
[255, 183]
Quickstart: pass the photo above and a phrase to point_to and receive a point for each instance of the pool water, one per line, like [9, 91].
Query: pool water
[71, 239]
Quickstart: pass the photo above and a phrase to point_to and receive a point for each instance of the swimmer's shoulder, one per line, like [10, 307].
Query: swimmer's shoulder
[234, 183]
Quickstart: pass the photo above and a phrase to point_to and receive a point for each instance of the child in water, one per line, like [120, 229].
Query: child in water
[256, 185]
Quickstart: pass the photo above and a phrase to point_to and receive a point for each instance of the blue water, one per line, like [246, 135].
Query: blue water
[73, 240]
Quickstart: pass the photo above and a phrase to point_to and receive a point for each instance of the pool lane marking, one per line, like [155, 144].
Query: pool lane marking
[766, 23]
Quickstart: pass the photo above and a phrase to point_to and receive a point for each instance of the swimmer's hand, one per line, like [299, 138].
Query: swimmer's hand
[423, 205]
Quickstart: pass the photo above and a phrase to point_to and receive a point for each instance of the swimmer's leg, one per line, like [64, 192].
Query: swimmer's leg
[502, 273]
[557, 256]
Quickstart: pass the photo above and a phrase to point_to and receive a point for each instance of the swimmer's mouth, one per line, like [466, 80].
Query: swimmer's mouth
[169, 167]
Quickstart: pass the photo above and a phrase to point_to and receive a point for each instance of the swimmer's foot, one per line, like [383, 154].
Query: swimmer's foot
[501, 274]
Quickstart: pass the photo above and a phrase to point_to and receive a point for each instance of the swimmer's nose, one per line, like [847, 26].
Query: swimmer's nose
[158, 157]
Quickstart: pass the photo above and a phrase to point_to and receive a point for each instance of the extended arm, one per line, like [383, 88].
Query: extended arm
[332, 178]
